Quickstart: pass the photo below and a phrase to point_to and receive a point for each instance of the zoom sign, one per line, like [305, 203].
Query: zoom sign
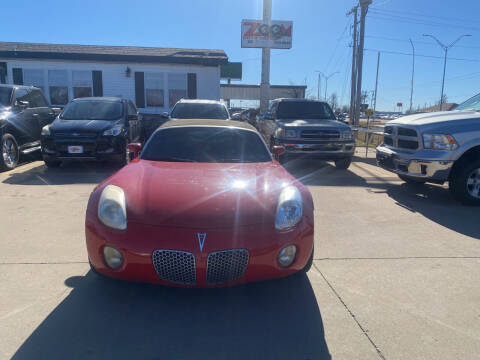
[277, 34]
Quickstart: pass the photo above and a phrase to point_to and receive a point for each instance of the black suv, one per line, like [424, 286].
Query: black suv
[24, 111]
[93, 128]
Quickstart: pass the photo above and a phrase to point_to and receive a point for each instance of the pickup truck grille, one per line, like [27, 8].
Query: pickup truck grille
[400, 137]
[320, 134]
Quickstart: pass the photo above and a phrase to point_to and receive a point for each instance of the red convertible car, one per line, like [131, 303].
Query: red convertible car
[203, 205]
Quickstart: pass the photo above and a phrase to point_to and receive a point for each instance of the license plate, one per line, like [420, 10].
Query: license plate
[75, 149]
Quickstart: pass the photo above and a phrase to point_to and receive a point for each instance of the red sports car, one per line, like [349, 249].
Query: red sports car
[203, 205]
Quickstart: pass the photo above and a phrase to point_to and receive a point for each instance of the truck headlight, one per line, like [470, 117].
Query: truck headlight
[347, 135]
[111, 208]
[289, 208]
[439, 142]
[45, 130]
[279, 133]
[114, 131]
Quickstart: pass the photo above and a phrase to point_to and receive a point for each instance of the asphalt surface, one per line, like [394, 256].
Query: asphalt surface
[396, 276]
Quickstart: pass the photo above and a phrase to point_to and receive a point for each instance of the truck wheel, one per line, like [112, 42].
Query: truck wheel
[410, 180]
[465, 183]
[343, 164]
[10, 153]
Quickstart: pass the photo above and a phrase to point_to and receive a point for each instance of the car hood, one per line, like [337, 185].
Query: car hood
[313, 123]
[60, 125]
[200, 195]
[432, 119]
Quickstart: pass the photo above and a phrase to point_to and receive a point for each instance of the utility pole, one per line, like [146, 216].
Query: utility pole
[413, 74]
[354, 11]
[445, 49]
[363, 13]
[376, 86]
[265, 83]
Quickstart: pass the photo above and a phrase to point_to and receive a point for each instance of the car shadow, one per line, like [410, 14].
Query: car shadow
[107, 319]
[68, 173]
[435, 202]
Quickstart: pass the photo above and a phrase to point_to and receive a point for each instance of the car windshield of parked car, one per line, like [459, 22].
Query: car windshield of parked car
[5, 96]
[471, 104]
[92, 110]
[199, 111]
[206, 145]
[304, 110]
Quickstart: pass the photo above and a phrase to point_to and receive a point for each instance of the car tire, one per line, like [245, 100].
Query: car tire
[343, 164]
[125, 157]
[52, 163]
[465, 183]
[9, 152]
[309, 263]
[410, 180]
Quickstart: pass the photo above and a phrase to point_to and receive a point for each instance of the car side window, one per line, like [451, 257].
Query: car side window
[132, 110]
[36, 99]
[21, 95]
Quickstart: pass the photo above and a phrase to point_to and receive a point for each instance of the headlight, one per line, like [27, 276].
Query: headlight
[46, 130]
[111, 208]
[289, 208]
[347, 135]
[114, 131]
[439, 142]
[279, 133]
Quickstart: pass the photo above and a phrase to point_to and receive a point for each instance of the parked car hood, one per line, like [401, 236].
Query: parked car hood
[426, 119]
[315, 123]
[60, 125]
[200, 195]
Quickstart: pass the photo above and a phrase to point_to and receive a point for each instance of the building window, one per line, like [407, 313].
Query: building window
[177, 88]
[154, 89]
[58, 86]
[82, 84]
[34, 77]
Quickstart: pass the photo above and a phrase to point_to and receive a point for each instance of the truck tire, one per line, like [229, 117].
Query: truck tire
[465, 183]
[410, 180]
[9, 152]
[343, 164]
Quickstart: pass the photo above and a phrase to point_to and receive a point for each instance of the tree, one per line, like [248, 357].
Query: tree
[444, 99]
[333, 101]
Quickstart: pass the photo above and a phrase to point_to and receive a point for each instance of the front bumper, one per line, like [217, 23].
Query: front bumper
[101, 147]
[321, 149]
[139, 241]
[413, 165]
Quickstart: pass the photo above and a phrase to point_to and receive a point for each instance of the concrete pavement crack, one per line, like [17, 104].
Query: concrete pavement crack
[379, 352]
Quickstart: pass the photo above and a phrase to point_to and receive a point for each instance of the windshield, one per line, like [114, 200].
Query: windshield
[471, 104]
[5, 96]
[304, 110]
[93, 110]
[206, 144]
[199, 111]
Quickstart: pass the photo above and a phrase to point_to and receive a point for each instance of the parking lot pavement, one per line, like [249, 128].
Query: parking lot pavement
[395, 277]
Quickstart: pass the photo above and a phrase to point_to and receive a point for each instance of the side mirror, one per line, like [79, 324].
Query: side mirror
[268, 116]
[278, 150]
[22, 105]
[164, 115]
[135, 149]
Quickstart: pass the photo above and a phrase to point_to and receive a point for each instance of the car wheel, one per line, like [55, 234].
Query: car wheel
[10, 153]
[343, 164]
[410, 180]
[52, 163]
[309, 264]
[465, 183]
[125, 159]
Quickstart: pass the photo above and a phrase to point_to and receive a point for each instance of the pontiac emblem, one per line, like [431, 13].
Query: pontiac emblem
[201, 239]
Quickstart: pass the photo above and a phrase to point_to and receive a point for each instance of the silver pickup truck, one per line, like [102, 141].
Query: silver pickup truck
[307, 128]
[437, 147]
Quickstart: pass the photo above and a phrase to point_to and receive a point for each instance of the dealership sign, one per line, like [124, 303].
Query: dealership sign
[277, 34]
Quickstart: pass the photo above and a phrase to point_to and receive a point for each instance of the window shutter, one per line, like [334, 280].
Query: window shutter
[192, 86]
[97, 83]
[139, 89]
[17, 76]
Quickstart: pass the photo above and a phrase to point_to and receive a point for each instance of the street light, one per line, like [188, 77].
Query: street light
[326, 81]
[445, 48]
[318, 84]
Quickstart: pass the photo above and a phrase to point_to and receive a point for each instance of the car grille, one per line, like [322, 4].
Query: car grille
[227, 265]
[320, 134]
[175, 266]
[401, 137]
[74, 135]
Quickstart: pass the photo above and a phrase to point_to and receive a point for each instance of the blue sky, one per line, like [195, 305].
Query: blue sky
[321, 38]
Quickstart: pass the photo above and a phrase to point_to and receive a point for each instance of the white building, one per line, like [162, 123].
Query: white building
[153, 78]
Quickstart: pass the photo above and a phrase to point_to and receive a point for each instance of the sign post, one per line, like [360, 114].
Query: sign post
[368, 112]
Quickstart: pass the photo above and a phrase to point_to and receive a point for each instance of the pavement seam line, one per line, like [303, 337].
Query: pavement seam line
[379, 352]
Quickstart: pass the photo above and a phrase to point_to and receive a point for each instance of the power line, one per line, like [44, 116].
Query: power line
[420, 55]
[423, 16]
[416, 41]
